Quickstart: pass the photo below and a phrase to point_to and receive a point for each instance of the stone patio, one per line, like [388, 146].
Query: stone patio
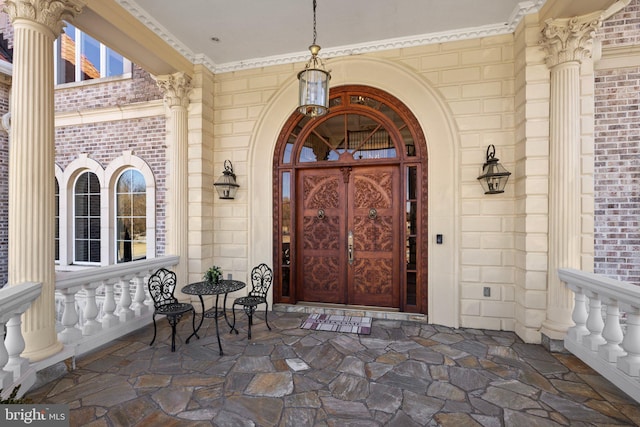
[403, 374]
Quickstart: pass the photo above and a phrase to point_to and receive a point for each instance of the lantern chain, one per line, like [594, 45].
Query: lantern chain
[314, 22]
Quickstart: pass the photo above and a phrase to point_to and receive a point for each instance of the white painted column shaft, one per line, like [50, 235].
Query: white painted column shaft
[568, 42]
[31, 164]
[176, 88]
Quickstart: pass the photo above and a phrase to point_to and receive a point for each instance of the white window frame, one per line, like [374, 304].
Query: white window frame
[115, 209]
[108, 178]
[129, 161]
[79, 36]
[73, 219]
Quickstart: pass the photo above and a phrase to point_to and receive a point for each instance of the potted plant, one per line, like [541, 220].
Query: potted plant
[213, 274]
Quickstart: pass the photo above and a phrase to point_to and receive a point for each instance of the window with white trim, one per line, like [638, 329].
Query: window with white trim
[80, 57]
[57, 221]
[86, 200]
[131, 216]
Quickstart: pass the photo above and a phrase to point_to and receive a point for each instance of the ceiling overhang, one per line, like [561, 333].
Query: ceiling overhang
[135, 34]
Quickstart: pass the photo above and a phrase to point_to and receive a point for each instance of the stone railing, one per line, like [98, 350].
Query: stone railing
[600, 337]
[14, 369]
[98, 305]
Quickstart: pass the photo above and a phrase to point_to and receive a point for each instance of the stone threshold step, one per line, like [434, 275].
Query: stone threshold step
[345, 310]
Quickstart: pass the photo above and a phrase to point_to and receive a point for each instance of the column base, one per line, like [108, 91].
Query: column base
[556, 327]
[43, 353]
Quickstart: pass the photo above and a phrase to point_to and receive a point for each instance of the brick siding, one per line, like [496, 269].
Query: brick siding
[4, 188]
[622, 29]
[617, 156]
[104, 142]
[88, 95]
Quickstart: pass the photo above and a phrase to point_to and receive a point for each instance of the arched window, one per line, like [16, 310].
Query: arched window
[87, 219]
[131, 216]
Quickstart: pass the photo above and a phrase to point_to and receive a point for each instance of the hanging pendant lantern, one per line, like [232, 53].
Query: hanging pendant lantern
[313, 94]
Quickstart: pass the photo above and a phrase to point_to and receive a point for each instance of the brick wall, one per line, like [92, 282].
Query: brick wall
[622, 29]
[88, 95]
[4, 187]
[105, 141]
[617, 155]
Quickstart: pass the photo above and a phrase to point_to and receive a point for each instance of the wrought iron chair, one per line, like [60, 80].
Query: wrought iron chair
[162, 284]
[261, 279]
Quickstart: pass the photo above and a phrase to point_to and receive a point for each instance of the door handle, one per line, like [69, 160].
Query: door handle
[350, 247]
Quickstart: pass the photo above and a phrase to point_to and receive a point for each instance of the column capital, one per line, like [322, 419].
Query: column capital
[175, 88]
[50, 13]
[570, 39]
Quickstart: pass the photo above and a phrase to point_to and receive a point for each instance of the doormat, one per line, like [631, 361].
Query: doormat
[336, 323]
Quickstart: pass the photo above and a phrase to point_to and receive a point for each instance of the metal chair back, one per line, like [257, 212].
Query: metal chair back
[162, 285]
[261, 280]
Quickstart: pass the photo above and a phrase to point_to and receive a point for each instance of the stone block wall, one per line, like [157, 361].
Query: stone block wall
[617, 148]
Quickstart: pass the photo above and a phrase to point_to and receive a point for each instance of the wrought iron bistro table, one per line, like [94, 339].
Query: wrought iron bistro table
[205, 288]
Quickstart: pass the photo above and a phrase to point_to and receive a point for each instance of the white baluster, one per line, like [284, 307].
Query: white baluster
[126, 313]
[579, 315]
[109, 319]
[595, 324]
[91, 326]
[612, 333]
[139, 307]
[6, 377]
[630, 364]
[70, 334]
[15, 346]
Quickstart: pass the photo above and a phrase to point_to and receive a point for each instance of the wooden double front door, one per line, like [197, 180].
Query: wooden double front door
[349, 239]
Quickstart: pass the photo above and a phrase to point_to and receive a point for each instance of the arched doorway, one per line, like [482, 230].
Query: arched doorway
[350, 207]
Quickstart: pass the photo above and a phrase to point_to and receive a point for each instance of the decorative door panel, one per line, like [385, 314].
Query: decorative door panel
[348, 236]
[320, 233]
[374, 274]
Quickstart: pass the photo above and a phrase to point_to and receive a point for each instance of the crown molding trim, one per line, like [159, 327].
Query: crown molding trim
[523, 8]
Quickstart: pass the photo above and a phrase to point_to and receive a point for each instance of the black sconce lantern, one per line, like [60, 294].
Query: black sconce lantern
[226, 185]
[494, 176]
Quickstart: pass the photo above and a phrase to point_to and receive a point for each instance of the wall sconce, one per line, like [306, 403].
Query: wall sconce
[226, 185]
[494, 176]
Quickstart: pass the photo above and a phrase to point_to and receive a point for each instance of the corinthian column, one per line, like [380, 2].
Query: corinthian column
[567, 42]
[36, 25]
[176, 88]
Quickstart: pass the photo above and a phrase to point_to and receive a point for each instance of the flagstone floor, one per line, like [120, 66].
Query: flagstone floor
[402, 374]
